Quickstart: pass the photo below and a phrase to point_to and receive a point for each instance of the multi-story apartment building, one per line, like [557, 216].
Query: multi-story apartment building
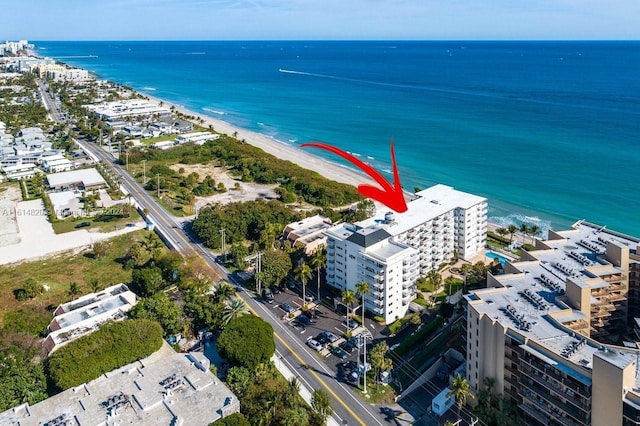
[390, 251]
[541, 330]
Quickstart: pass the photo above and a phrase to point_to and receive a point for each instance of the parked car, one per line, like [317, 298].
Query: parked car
[322, 339]
[394, 347]
[350, 323]
[83, 225]
[303, 320]
[268, 295]
[358, 343]
[313, 344]
[330, 336]
[309, 298]
[309, 316]
[348, 346]
[276, 290]
[287, 308]
[340, 353]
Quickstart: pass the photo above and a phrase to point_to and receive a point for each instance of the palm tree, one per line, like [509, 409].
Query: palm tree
[321, 404]
[224, 291]
[512, 230]
[348, 298]
[318, 261]
[303, 274]
[461, 390]
[435, 279]
[534, 231]
[362, 289]
[502, 231]
[524, 230]
[235, 308]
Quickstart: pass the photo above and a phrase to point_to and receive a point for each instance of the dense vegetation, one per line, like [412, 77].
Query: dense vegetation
[112, 346]
[247, 341]
[253, 164]
[258, 221]
[22, 377]
[27, 110]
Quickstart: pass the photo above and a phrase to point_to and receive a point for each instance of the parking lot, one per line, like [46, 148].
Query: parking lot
[324, 330]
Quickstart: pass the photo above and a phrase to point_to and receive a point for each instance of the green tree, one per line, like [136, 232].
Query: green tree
[74, 290]
[224, 291]
[235, 308]
[512, 231]
[318, 261]
[297, 416]
[524, 230]
[502, 232]
[139, 254]
[461, 391]
[534, 231]
[276, 265]
[22, 377]
[239, 252]
[235, 419]
[362, 289]
[161, 309]
[348, 298]
[239, 379]
[32, 288]
[321, 404]
[303, 274]
[247, 341]
[147, 281]
[435, 279]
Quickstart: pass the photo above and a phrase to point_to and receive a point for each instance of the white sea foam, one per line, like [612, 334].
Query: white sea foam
[151, 89]
[196, 53]
[355, 154]
[370, 157]
[214, 111]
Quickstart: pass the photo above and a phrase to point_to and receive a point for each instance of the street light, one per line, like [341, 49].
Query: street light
[144, 172]
[158, 185]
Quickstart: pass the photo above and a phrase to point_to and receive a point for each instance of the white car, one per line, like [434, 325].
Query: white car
[314, 344]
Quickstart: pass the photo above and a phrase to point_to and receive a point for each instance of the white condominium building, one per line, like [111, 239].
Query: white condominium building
[391, 250]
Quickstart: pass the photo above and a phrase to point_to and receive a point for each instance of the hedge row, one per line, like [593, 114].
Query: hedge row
[114, 345]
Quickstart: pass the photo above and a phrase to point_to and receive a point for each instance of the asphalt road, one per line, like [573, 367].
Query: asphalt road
[313, 372]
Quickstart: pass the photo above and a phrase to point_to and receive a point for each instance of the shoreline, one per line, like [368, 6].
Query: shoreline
[278, 149]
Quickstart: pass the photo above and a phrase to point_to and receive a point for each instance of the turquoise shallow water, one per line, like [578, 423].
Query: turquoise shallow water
[548, 131]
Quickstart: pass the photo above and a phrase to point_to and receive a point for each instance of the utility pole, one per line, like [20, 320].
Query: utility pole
[126, 153]
[258, 270]
[224, 253]
[144, 172]
[364, 367]
[158, 185]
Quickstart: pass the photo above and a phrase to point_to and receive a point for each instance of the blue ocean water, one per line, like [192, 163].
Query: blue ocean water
[548, 131]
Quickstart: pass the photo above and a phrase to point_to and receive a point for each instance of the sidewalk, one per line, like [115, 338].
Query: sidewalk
[304, 392]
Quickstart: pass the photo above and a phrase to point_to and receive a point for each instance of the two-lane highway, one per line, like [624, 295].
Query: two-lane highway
[312, 371]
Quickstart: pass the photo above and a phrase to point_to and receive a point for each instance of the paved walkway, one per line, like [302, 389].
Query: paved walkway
[38, 240]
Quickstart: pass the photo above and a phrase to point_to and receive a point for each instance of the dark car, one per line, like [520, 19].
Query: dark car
[275, 289]
[287, 308]
[268, 295]
[322, 339]
[349, 365]
[348, 346]
[83, 224]
[339, 353]
[358, 343]
[303, 320]
[329, 336]
[309, 316]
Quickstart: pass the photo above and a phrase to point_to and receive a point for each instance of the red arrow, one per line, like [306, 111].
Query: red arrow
[390, 196]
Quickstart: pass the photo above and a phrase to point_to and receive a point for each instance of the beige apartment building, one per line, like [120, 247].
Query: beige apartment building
[543, 330]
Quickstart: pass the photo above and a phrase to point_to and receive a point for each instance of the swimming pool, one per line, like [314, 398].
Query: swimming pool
[501, 259]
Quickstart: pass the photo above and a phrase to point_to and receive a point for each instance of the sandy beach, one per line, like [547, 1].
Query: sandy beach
[277, 149]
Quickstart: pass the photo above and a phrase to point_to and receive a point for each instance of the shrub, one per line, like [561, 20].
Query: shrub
[247, 341]
[114, 345]
[235, 419]
[28, 319]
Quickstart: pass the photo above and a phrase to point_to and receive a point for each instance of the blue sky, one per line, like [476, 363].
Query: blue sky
[319, 19]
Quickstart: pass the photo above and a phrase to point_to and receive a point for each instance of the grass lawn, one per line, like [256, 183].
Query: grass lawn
[378, 394]
[104, 224]
[58, 272]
